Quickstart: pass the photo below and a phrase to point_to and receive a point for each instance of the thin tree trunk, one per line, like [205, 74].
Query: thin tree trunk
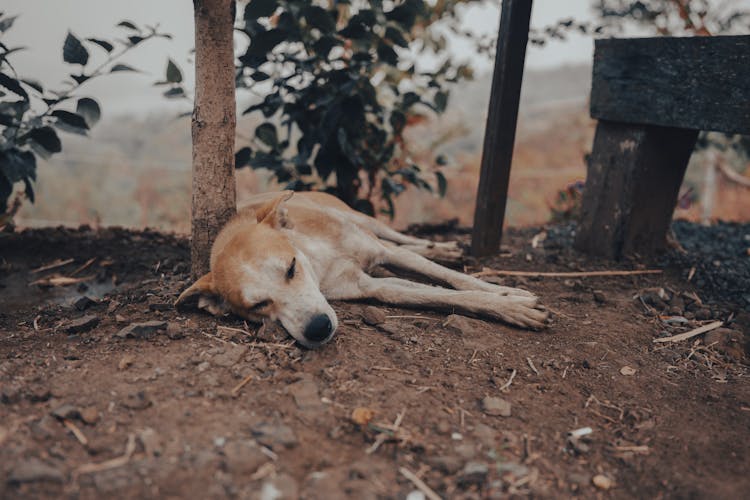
[213, 128]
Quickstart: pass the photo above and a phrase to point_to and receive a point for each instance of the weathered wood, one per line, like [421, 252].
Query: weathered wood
[634, 177]
[500, 133]
[213, 128]
[700, 83]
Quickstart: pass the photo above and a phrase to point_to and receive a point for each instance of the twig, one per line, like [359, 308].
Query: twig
[575, 274]
[112, 463]
[382, 437]
[84, 266]
[52, 265]
[428, 492]
[80, 436]
[60, 281]
[643, 449]
[510, 381]
[388, 369]
[691, 333]
[238, 330]
[217, 338]
[236, 389]
[412, 317]
[531, 365]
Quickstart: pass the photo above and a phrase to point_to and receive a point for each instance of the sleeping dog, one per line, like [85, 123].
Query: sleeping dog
[284, 257]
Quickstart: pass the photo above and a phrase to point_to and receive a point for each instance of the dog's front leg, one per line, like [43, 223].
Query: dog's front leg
[405, 259]
[517, 310]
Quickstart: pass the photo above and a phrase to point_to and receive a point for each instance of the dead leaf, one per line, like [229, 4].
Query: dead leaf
[362, 416]
[627, 371]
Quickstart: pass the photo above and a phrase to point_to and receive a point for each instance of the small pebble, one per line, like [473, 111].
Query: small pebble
[602, 482]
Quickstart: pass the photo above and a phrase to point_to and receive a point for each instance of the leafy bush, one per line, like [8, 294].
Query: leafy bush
[340, 80]
[31, 115]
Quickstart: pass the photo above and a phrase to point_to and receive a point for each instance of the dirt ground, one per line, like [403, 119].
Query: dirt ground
[123, 396]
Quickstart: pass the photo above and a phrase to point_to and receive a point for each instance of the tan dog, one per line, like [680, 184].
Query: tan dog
[284, 257]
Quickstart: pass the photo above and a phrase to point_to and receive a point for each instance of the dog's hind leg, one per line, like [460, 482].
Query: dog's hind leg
[517, 310]
[384, 232]
[405, 259]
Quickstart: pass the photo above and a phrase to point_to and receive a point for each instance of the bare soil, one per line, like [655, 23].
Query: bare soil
[97, 408]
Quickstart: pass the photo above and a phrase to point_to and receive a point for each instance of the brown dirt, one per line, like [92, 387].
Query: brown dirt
[678, 427]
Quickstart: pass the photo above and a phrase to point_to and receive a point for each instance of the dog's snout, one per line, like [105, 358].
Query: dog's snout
[319, 329]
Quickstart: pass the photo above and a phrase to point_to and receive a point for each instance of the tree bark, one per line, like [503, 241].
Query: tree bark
[213, 128]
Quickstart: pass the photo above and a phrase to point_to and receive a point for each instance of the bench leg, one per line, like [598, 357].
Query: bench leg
[633, 181]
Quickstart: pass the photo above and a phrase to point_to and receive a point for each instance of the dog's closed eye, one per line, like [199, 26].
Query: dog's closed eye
[260, 305]
[292, 269]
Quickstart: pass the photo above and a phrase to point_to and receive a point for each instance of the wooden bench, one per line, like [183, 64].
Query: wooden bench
[652, 96]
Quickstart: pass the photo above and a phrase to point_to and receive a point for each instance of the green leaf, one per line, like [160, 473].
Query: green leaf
[17, 165]
[34, 84]
[266, 133]
[406, 13]
[128, 25]
[242, 157]
[174, 75]
[71, 119]
[442, 183]
[80, 78]
[122, 67]
[28, 189]
[259, 76]
[174, 92]
[396, 36]
[264, 42]
[73, 51]
[386, 53]
[102, 43]
[441, 101]
[13, 85]
[319, 18]
[5, 24]
[259, 8]
[89, 109]
[364, 206]
[47, 138]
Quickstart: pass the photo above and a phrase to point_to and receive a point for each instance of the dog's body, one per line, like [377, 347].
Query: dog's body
[283, 257]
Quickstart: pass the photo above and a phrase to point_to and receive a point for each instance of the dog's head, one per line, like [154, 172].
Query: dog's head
[258, 274]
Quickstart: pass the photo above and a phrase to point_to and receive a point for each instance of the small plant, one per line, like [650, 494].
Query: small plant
[567, 204]
[341, 82]
[31, 116]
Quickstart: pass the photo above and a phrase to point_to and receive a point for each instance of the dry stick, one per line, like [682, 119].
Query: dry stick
[691, 333]
[80, 436]
[531, 365]
[577, 274]
[412, 317]
[60, 281]
[112, 463]
[236, 389]
[84, 266]
[428, 492]
[53, 265]
[510, 381]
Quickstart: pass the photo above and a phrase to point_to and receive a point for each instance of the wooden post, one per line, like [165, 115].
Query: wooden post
[213, 128]
[500, 132]
[633, 180]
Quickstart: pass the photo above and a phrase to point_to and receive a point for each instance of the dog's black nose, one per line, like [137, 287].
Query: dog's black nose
[319, 329]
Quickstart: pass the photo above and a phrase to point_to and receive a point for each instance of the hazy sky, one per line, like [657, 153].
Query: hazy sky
[42, 28]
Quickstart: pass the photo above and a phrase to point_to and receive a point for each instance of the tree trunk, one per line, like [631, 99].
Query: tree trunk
[213, 128]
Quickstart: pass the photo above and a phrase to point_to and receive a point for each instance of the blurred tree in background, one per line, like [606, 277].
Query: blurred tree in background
[31, 115]
[341, 83]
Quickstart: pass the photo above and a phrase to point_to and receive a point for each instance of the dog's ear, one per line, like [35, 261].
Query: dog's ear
[275, 214]
[202, 294]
